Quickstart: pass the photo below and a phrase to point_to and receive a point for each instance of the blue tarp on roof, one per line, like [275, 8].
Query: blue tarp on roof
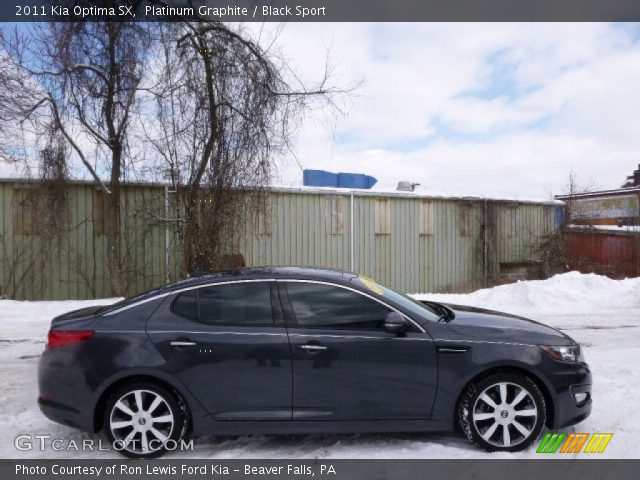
[322, 178]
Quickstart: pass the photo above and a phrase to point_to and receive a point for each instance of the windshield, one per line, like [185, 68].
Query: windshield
[419, 309]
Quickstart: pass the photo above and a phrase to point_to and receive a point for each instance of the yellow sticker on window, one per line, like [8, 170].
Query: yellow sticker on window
[371, 284]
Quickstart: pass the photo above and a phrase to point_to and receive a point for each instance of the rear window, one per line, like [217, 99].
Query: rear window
[241, 304]
[185, 305]
[128, 301]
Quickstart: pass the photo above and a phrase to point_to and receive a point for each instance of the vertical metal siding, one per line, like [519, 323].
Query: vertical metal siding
[76, 267]
[446, 260]
[616, 254]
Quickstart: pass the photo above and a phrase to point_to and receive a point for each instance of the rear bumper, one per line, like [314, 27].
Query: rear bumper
[63, 414]
[63, 396]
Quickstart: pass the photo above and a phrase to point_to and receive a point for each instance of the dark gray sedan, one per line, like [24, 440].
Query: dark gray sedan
[305, 350]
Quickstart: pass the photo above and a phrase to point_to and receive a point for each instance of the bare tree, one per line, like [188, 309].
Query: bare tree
[222, 108]
[225, 110]
[572, 189]
[83, 80]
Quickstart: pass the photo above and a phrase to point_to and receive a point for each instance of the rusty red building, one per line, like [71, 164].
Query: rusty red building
[602, 230]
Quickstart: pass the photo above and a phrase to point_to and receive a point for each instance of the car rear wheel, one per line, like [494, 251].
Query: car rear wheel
[143, 419]
[502, 412]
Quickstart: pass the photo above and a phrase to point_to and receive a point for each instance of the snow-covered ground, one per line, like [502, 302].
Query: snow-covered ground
[602, 314]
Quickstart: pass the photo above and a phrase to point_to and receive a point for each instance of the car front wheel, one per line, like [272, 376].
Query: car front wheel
[502, 412]
[143, 419]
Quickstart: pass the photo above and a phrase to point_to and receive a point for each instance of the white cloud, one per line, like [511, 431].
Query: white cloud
[556, 97]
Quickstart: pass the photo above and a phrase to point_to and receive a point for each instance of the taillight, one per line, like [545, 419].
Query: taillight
[60, 338]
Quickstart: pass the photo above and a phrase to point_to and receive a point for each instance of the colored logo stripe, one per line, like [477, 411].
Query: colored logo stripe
[574, 442]
[551, 442]
[598, 442]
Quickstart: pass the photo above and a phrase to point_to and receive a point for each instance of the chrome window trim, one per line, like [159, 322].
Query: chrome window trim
[254, 280]
[185, 289]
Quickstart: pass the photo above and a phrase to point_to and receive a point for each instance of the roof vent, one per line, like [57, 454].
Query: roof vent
[633, 180]
[405, 186]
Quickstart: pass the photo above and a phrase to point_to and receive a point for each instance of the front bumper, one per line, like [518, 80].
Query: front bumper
[569, 383]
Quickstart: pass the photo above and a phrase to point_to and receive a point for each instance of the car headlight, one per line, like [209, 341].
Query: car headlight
[572, 353]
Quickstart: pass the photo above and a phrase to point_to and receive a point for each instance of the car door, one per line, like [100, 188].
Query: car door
[345, 365]
[228, 345]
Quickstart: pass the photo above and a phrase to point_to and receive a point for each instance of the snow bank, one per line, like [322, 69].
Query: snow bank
[566, 292]
[602, 314]
[606, 228]
[10, 310]
[29, 321]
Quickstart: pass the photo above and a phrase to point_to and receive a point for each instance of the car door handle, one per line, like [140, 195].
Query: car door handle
[182, 343]
[454, 349]
[312, 348]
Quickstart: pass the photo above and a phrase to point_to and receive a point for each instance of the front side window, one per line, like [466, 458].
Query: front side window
[316, 305]
[416, 308]
[241, 304]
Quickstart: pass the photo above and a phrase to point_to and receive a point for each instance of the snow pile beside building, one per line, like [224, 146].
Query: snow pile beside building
[567, 292]
[37, 312]
[603, 315]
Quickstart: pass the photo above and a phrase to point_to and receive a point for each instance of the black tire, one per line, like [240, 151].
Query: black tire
[157, 435]
[476, 417]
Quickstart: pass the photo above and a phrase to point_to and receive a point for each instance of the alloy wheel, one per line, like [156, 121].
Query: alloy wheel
[141, 421]
[505, 414]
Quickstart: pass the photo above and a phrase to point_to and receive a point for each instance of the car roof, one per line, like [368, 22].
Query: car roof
[284, 272]
[247, 273]
[256, 273]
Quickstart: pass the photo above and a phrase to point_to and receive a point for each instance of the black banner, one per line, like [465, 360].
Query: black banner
[320, 469]
[322, 10]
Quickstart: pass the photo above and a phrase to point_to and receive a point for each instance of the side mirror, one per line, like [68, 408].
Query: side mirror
[395, 323]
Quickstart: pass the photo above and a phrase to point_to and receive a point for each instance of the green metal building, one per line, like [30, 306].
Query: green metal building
[411, 242]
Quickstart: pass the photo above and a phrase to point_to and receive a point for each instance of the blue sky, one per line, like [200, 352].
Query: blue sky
[504, 110]
[486, 109]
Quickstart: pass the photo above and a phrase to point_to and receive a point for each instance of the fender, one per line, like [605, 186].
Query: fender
[196, 409]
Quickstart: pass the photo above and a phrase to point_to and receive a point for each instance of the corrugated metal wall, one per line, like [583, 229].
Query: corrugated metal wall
[411, 243]
[450, 258]
[39, 265]
[615, 254]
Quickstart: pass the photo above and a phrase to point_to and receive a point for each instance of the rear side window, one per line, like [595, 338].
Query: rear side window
[242, 304]
[185, 305]
[317, 305]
